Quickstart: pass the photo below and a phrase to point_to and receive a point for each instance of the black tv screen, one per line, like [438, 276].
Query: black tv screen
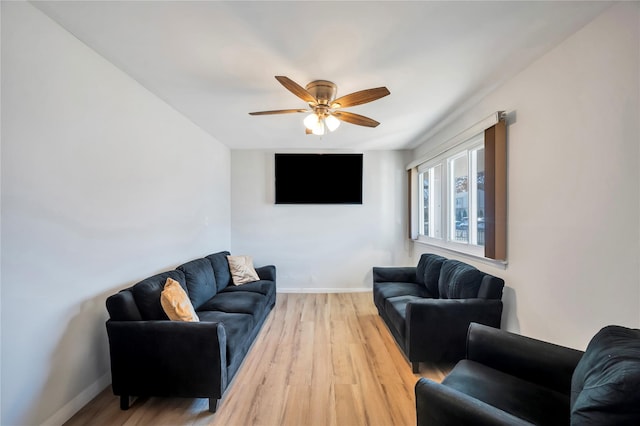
[318, 178]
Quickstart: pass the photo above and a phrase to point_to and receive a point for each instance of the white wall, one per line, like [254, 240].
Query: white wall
[573, 200]
[103, 184]
[321, 247]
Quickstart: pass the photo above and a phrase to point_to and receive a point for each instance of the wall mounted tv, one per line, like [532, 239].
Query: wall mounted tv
[318, 178]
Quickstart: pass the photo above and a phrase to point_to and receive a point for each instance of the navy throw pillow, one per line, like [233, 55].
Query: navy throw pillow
[605, 387]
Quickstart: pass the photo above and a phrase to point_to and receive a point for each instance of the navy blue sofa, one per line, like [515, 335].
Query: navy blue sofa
[428, 307]
[153, 356]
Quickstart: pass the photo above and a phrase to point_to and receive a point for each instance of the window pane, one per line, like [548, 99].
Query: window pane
[480, 195]
[436, 202]
[460, 198]
[425, 203]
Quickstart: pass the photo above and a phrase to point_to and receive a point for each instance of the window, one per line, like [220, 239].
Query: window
[462, 196]
[463, 205]
[431, 206]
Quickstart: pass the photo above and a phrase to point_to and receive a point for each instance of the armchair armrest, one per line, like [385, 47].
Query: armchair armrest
[267, 272]
[171, 358]
[533, 360]
[405, 274]
[437, 404]
[437, 328]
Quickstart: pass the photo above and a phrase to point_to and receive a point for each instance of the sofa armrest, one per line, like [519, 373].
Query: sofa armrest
[267, 272]
[437, 404]
[437, 328]
[533, 360]
[168, 358]
[406, 274]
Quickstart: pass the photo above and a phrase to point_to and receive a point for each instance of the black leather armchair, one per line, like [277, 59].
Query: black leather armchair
[508, 379]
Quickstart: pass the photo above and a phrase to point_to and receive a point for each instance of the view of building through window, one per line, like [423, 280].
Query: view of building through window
[463, 206]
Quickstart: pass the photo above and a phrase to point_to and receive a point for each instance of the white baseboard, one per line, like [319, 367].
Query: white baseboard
[73, 406]
[324, 290]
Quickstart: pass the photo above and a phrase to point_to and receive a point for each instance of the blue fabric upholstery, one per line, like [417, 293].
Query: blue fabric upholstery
[201, 283]
[458, 280]
[509, 379]
[428, 307]
[196, 359]
[147, 294]
[605, 388]
[221, 271]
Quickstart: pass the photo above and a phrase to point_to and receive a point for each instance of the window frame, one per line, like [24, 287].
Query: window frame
[447, 190]
[493, 128]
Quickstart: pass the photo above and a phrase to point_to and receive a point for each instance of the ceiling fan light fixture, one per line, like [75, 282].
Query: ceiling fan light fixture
[320, 95]
[315, 123]
[311, 121]
[332, 123]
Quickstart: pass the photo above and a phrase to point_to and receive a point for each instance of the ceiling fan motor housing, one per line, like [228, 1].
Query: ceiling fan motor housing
[324, 91]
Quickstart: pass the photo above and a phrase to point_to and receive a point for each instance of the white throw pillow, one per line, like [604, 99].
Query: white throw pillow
[242, 271]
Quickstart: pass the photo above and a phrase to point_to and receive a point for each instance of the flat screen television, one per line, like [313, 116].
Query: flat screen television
[318, 178]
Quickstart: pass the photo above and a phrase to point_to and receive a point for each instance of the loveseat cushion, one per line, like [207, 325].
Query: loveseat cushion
[220, 268]
[201, 283]
[396, 310]
[147, 294]
[605, 387]
[526, 400]
[432, 268]
[459, 280]
[385, 290]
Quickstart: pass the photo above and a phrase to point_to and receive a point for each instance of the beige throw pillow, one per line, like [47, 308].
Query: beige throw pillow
[242, 270]
[176, 303]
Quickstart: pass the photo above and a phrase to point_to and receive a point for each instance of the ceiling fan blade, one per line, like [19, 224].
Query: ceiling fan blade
[278, 111]
[358, 119]
[361, 97]
[296, 89]
[307, 131]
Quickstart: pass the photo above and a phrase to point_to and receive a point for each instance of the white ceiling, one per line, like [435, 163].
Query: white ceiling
[215, 61]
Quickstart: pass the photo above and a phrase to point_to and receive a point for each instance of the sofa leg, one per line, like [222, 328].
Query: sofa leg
[213, 405]
[125, 400]
[415, 366]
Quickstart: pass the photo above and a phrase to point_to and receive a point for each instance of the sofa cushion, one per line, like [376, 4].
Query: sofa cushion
[529, 401]
[605, 387]
[220, 268]
[147, 294]
[459, 280]
[176, 303]
[263, 287]
[237, 327]
[201, 283]
[243, 302]
[122, 307]
[432, 268]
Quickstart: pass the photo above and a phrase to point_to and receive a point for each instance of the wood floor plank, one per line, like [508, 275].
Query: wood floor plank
[320, 359]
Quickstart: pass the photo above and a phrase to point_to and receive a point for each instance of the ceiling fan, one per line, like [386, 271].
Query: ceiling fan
[326, 110]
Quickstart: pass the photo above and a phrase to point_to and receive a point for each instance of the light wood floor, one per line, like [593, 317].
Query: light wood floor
[320, 359]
